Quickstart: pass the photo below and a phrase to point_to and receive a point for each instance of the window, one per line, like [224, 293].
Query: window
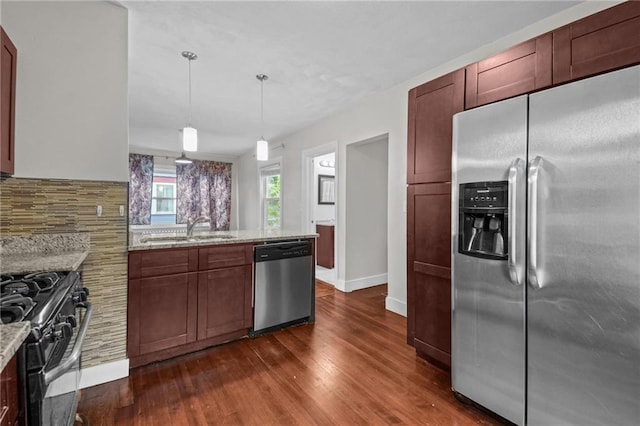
[270, 193]
[163, 198]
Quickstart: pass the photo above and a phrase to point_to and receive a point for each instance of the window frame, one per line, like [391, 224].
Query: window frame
[272, 168]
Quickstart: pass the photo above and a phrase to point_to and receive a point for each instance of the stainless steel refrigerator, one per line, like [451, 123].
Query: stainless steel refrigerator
[546, 254]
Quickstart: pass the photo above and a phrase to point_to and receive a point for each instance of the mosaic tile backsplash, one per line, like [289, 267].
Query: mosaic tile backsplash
[42, 206]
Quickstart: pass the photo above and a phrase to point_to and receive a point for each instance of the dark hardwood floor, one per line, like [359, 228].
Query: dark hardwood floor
[352, 366]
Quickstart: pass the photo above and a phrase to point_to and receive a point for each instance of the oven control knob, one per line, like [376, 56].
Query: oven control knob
[86, 290]
[80, 296]
[71, 320]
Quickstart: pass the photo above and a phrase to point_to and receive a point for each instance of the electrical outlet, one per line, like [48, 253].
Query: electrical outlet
[99, 210]
[121, 210]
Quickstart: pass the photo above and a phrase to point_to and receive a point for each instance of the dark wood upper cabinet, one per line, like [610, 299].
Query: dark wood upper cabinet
[8, 63]
[429, 270]
[598, 43]
[521, 69]
[431, 109]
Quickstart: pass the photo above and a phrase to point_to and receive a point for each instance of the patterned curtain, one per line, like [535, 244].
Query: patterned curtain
[140, 187]
[204, 189]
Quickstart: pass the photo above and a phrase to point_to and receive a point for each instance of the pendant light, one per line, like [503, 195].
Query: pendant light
[262, 147]
[189, 133]
[183, 159]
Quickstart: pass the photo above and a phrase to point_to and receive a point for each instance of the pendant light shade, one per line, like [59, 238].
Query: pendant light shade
[262, 146]
[189, 133]
[183, 159]
[262, 150]
[189, 139]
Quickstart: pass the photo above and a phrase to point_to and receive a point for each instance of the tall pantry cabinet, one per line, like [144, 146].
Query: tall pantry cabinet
[431, 109]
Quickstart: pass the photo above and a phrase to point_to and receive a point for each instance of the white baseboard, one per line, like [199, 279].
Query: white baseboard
[366, 282]
[104, 373]
[395, 305]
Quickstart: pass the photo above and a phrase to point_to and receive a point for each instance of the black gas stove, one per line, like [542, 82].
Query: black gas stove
[55, 303]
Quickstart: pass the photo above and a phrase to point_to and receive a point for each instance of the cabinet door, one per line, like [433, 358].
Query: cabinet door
[431, 109]
[429, 270]
[162, 312]
[9, 388]
[8, 63]
[224, 301]
[598, 43]
[521, 69]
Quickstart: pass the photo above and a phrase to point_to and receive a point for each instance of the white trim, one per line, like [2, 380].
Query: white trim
[366, 282]
[104, 373]
[397, 306]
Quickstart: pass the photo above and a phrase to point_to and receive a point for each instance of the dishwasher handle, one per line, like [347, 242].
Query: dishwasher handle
[284, 250]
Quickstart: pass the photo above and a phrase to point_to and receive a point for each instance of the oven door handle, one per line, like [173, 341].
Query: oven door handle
[67, 364]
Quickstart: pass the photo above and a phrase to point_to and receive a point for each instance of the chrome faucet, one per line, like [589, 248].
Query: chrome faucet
[192, 224]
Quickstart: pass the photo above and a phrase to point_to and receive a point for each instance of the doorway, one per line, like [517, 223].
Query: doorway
[320, 166]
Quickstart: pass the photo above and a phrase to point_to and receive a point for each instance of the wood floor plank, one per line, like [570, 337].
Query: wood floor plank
[352, 367]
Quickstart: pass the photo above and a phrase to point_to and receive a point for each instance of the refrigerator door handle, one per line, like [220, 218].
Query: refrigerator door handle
[533, 275]
[515, 266]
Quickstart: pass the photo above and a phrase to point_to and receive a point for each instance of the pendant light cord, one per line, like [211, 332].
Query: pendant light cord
[189, 119]
[262, 108]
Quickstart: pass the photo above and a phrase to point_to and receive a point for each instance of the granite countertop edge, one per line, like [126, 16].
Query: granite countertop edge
[239, 237]
[23, 263]
[11, 337]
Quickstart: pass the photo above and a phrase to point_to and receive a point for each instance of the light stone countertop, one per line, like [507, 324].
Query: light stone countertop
[155, 239]
[11, 337]
[43, 252]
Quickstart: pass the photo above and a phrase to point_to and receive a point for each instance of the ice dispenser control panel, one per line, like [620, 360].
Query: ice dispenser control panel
[483, 219]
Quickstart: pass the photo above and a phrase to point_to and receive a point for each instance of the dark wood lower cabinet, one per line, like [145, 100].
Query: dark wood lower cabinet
[224, 301]
[429, 271]
[186, 299]
[326, 242]
[9, 394]
[163, 310]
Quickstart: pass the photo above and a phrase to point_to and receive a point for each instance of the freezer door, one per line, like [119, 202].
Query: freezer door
[488, 340]
[584, 252]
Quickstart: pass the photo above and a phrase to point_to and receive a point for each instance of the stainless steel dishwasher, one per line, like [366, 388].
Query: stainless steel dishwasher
[284, 285]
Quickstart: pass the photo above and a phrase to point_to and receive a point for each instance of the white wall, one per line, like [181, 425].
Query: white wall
[366, 214]
[323, 212]
[71, 90]
[383, 113]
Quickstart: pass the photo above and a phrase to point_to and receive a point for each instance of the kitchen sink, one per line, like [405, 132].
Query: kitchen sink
[184, 238]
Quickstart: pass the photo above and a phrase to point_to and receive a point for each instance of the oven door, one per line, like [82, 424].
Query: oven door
[62, 381]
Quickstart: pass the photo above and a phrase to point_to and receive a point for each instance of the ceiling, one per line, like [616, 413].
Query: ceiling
[320, 57]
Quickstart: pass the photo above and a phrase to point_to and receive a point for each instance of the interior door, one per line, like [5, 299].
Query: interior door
[583, 304]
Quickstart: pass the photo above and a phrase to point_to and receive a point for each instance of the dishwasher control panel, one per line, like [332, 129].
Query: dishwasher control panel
[282, 250]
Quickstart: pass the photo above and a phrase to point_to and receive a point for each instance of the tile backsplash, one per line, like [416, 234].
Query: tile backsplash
[40, 206]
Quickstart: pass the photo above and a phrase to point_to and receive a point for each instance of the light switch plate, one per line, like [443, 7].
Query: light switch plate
[121, 210]
[99, 210]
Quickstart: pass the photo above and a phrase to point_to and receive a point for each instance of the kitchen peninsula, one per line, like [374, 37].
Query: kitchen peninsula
[187, 293]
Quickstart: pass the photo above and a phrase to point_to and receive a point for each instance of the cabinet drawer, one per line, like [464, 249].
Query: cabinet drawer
[224, 256]
[153, 263]
[598, 43]
[521, 69]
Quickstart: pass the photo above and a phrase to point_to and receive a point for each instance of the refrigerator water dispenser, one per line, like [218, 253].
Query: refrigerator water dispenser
[483, 219]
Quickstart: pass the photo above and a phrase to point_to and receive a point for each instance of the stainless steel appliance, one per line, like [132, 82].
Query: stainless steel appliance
[546, 254]
[55, 303]
[284, 285]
